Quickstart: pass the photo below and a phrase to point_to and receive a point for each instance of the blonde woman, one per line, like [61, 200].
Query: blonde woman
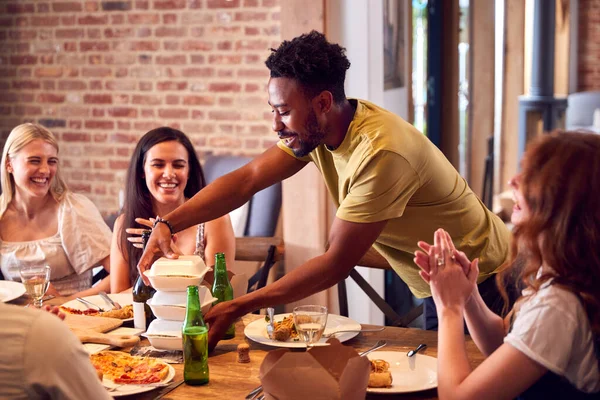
[42, 222]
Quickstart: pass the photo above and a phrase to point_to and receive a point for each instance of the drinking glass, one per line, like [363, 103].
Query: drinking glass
[36, 280]
[310, 323]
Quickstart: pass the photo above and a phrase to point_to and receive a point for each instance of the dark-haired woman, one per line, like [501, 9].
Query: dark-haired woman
[552, 348]
[163, 173]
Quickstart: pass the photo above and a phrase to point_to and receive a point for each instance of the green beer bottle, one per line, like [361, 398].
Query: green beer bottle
[195, 341]
[222, 289]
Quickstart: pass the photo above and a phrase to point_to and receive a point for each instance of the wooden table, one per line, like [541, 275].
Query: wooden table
[232, 380]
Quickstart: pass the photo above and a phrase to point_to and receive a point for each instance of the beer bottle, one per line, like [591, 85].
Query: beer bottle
[142, 313]
[195, 341]
[222, 289]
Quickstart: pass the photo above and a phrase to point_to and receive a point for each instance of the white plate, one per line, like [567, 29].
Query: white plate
[10, 290]
[126, 390]
[409, 374]
[123, 299]
[257, 331]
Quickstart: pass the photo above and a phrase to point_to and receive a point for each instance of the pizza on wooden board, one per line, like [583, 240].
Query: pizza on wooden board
[123, 368]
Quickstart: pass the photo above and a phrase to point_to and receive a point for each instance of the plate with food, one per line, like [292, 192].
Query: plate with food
[125, 300]
[10, 290]
[123, 374]
[394, 372]
[286, 335]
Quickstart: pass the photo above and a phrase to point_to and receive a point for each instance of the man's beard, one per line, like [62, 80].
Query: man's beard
[314, 138]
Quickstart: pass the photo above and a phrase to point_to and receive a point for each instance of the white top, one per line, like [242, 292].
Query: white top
[43, 359]
[552, 329]
[82, 241]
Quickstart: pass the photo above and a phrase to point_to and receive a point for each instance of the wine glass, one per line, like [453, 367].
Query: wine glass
[310, 323]
[36, 280]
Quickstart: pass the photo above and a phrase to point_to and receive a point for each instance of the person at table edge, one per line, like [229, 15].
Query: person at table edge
[391, 185]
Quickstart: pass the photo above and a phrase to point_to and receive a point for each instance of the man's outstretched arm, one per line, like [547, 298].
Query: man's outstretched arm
[348, 242]
[220, 197]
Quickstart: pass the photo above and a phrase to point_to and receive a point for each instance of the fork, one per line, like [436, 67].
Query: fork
[328, 335]
[89, 303]
[109, 301]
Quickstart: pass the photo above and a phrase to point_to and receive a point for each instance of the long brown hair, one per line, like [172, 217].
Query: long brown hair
[560, 184]
[138, 200]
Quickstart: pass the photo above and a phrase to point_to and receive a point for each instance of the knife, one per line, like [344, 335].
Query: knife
[168, 389]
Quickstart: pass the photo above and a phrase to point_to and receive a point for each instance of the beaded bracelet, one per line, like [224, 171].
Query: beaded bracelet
[164, 221]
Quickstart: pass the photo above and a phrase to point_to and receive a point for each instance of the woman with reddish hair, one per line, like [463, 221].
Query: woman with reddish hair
[548, 346]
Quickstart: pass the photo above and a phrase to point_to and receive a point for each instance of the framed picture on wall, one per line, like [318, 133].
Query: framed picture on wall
[394, 43]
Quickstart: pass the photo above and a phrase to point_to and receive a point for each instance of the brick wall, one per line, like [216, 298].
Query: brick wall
[589, 45]
[100, 74]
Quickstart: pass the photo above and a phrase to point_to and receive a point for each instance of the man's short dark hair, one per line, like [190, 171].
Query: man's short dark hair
[314, 62]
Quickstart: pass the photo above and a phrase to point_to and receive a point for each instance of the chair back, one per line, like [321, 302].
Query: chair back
[580, 110]
[264, 205]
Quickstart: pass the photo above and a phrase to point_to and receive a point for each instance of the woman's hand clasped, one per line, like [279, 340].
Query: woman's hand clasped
[451, 275]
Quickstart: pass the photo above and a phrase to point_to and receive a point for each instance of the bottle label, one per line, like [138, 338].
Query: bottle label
[139, 315]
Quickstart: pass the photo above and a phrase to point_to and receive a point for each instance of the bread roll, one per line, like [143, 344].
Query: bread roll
[380, 379]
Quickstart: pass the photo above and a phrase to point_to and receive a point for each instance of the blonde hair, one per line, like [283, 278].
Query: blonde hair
[20, 137]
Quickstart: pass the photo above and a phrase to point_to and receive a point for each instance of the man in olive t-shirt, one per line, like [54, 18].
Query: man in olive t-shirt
[385, 169]
[392, 185]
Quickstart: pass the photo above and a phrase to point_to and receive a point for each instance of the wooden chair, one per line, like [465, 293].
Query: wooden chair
[372, 259]
[268, 250]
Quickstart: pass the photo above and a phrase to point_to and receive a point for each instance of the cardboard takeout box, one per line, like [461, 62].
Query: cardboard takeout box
[325, 372]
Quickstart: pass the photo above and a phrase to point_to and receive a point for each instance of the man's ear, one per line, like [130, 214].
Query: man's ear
[324, 102]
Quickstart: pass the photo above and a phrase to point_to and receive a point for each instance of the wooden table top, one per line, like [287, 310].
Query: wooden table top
[232, 380]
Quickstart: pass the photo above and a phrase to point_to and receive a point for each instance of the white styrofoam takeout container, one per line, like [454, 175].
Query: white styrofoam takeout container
[171, 305]
[176, 275]
[172, 331]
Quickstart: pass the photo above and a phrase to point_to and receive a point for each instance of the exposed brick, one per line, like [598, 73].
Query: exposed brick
[169, 18]
[169, 4]
[20, 85]
[172, 100]
[98, 99]
[173, 113]
[42, 7]
[71, 85]
[117, 19]
[50, 98]
[143, 19]
[169, 31]
[96, 72]
[224, 115]
[223, 3]
[19, 8]
[250, 3]
[94, 46]
[118, 164]
[99, 124]
[111, 33]
[225, 59]
[22, 35]
[94, 33]
[142, 4]
[98, 113]
[26, 110]
[144, 46]
[123, 138]
[197, 59]
[251, 31]
[199, 100]
[120, 85]
[116, 5]
[198, 72]
[224, 87]
[93, 20]
[23, 59]
[178, 59]
[76, 137]
[123, 125]
[120, 112]
[73, 33]
[170, 85]
[197, 45]
[44, 20]
[70, 6]
[53, 123]
[250, 16]
[91, 6]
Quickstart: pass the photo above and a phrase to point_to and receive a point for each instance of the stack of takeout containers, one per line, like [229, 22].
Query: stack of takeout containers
[171, 278]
